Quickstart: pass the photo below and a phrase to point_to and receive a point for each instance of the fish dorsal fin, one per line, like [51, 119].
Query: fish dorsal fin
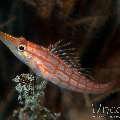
[67, 53]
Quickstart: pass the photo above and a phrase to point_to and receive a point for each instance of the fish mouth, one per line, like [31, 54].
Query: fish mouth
[7, 39]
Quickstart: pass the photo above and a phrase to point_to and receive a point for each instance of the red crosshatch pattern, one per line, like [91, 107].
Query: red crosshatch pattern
[54, 69]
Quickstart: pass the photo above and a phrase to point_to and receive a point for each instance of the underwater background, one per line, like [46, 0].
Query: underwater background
[92, 26]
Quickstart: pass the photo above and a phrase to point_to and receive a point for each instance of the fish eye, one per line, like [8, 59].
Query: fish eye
[21, 47]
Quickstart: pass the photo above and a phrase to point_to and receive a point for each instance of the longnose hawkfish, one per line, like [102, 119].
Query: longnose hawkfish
[46, 63]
